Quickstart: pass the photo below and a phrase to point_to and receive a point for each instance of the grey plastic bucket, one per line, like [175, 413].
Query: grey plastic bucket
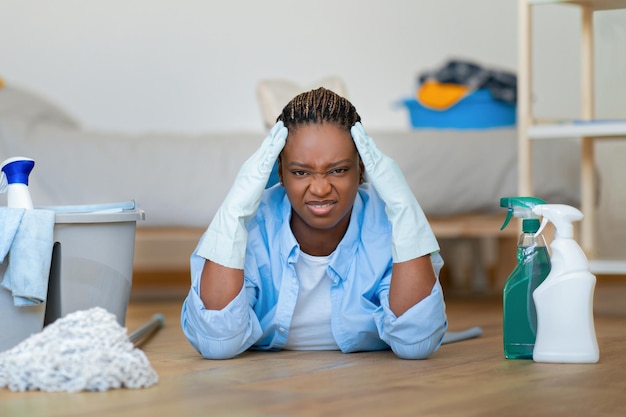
[92, 265]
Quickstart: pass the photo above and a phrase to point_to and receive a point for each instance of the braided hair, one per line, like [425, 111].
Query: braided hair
[319, 106]
[316, 107]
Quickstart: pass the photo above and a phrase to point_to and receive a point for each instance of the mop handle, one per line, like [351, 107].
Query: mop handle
[451, 337]
[139, 336]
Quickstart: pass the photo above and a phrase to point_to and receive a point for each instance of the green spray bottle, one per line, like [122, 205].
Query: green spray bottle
[533, 266]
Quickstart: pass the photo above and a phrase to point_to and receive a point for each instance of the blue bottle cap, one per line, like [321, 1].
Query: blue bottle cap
[18, 170]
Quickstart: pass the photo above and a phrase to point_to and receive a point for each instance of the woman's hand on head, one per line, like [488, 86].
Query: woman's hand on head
[402, 208]
[226, 238]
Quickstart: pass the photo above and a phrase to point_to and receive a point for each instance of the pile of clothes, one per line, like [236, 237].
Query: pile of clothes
[444, 87]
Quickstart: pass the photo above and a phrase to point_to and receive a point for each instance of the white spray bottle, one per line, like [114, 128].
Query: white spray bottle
[564, 301]
[15, 172]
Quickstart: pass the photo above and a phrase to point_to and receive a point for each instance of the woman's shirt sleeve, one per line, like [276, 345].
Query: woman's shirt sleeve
[219, 334]
[418, 332]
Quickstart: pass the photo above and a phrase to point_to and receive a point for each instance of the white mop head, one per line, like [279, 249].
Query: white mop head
[83, 351]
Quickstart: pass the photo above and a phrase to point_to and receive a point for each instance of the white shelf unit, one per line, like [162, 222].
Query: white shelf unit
[587, 128]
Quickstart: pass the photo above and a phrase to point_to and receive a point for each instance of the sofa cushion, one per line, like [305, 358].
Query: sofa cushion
[274, 94]
[17, 103]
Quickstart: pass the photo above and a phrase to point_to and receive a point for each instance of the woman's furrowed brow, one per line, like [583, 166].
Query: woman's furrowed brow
[296, 164]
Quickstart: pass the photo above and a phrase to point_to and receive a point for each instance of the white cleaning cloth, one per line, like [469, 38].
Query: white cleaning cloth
[83, 351]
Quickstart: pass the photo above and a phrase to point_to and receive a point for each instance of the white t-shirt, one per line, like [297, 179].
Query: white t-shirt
[310, 324]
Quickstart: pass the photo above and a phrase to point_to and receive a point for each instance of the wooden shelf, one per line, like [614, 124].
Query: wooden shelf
[472, 225]
[588, 128]
[607, 267]
[593, 4]
[595, 129]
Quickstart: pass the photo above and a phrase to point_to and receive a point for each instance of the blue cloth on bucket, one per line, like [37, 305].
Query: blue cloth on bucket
[10, 220]
[93, 208]
[27, 238]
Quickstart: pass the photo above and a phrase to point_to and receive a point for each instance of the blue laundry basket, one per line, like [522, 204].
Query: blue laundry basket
[478, 110]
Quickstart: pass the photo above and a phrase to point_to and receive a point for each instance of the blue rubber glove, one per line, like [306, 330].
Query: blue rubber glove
[411, 233]
[225, 240]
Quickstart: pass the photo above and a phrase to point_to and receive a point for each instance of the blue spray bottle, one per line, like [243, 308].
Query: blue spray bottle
[533, 266]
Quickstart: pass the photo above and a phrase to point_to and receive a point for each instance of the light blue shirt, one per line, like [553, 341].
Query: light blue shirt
[360, 267]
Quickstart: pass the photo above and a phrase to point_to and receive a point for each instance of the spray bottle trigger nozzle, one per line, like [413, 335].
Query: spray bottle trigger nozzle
[509, 214]
[544, 222]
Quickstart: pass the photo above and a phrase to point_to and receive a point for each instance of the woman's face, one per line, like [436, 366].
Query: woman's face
[321, 170]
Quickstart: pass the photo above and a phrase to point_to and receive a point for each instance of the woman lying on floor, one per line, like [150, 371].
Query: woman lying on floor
[325, 260]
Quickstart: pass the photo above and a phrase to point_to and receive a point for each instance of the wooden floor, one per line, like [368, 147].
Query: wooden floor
[469, 378]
